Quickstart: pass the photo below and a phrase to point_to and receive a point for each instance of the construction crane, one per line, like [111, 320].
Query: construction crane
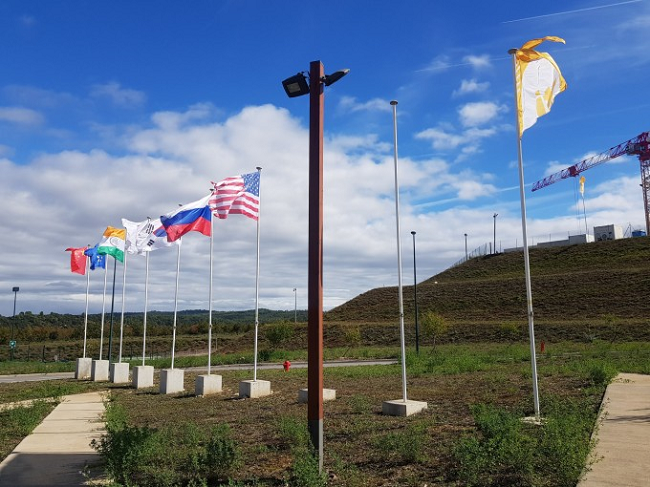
[638, 146]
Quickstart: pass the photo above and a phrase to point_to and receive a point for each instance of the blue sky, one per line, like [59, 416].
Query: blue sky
[126, 109]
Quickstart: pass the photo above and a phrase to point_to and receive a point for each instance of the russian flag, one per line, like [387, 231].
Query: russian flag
[194, 216]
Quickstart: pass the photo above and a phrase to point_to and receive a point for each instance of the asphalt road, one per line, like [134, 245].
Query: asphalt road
[6, 379]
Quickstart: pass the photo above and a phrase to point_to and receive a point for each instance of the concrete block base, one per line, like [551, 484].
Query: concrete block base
[207, 384]
[400, 407]
[143, 376]
[120, 373]
[84, 368]
[99, 370]
[254, 388]
[172, 381]
[328, 395]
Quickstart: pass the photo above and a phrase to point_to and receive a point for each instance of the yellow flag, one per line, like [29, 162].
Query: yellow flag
[538, 80]
[582, 185]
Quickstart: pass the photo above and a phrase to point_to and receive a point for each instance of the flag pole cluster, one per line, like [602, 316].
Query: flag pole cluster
[233, 195]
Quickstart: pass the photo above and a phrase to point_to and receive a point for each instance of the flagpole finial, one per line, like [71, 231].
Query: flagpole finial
[393, 102]
[258, 168]
[512, 51]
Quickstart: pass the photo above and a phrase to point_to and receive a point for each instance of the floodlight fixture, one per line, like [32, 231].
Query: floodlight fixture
[296, 85]
[330, 79]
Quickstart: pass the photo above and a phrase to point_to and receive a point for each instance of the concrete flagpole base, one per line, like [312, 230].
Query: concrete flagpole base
[120, 373]
[99, 370]
[328, 395]
[399, 407]
[208, 384]
[172, 381]
[254, 388]
[84, 367]
[143, 376]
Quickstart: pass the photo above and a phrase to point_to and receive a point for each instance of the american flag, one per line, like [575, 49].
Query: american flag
[238, 195]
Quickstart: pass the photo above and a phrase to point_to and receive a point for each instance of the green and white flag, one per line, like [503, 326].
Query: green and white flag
[113, 243]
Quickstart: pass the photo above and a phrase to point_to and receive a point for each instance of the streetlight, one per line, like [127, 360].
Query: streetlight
[295, 305]
[466, 256]
[12, 343]
[297, 86]
[415, 299]
[495, 232]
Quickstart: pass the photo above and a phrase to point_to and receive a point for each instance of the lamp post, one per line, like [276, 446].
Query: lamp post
[297, 86]
[415, 299]
[494, 247]
[12, 343]
[466, 256]
[295, 305]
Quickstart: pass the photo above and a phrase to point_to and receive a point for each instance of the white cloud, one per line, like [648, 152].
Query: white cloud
[479, 113]
[351, 104]
[468, 86]
[21, 116]
[124, 97]
[478, 62]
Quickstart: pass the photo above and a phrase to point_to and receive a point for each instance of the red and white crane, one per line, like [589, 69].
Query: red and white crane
[638, 146]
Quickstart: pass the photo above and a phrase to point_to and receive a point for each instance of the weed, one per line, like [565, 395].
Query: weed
[304, 470]
[293, 432]
[406, 446]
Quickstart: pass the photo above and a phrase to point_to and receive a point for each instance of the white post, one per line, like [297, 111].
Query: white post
[86, 312]
[210, 296]
[529, 292]
[119, 359]
[257, 284]
[146, 298]
[101, 331]
[399, 256]
[178, 271]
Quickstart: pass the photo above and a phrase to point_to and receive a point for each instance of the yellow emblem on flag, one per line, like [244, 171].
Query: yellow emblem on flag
[538, 80]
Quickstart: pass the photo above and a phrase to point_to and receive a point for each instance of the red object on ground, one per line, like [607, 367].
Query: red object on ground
[542, 346]
[286, 365]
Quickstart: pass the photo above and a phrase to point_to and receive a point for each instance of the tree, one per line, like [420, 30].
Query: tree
[433, 325]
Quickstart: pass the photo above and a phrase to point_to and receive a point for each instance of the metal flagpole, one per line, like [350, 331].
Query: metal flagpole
[86, 313]
[178, 271]
[257, 283]
[210, 295]
[101, 331]
[110, 335]
[524, 228]
[123, 303]
[146, 298]
[399, 256]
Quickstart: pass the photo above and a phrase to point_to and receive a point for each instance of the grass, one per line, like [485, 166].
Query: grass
[476, 395]
[474, 391]
[18, 422]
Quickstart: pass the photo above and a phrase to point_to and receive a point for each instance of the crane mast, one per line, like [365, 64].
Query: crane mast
[638, 146]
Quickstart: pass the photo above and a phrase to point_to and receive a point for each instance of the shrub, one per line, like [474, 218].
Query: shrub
[278, 333]
[434, 325]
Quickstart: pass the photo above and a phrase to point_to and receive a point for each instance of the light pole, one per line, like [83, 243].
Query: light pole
[466, 256]
[297, 86]
[494, 247]
[12, 343]
[295, 305]
[415, 299]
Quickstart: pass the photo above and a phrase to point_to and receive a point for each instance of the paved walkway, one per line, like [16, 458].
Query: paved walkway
[56, 452]
[622, 450]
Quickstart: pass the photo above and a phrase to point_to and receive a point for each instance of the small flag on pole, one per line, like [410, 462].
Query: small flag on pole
[582, 185]
[113, 243]
[195, 216]
[77, 260]
[538, 80]
[238, 195]
[97, 260]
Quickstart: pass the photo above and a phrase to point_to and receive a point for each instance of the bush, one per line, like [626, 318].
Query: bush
[278, 333]
[434, 325]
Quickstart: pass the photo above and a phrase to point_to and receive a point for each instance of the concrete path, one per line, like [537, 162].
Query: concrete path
[57, 451]
[622, 450]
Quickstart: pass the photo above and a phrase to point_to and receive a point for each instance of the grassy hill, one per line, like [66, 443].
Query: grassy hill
[603, 283]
